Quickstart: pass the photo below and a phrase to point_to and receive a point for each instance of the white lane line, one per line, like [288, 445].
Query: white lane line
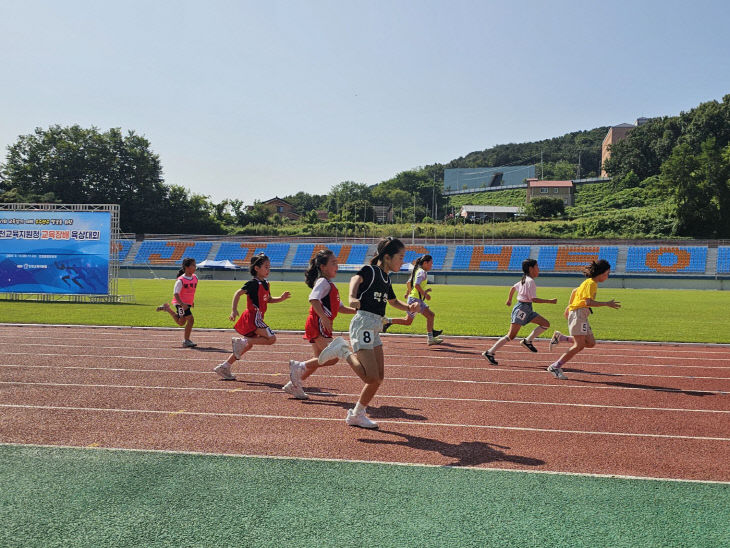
[604, 375]
[357, 461]
[285, 340]
[438, 353]
[186, 353]
[381, 421]
[167, 330]
[346, 395]
[243, 374]
[286, 355]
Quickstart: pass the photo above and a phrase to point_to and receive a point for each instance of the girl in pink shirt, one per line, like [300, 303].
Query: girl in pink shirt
[183, 299]
[522, 313]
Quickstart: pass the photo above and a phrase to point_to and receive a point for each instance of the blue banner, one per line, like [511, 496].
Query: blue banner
[63, 252]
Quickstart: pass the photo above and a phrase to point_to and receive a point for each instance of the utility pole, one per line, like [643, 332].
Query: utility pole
[579, 152]
[413, 226]
[433, 198]
[542, 171]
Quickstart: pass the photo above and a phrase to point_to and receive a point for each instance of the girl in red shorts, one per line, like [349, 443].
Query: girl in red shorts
[325, 304]
[251, 323]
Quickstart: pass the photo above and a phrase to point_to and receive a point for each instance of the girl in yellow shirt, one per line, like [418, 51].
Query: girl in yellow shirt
[582, 299]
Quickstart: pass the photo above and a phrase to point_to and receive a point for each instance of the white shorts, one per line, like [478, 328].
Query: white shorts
[578, 322]
[365, 330]
[422, 306]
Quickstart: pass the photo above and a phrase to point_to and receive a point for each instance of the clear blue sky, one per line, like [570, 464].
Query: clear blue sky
[253, 99]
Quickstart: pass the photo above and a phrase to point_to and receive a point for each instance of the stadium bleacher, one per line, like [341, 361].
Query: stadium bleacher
[723, 260]
[438, 252]
[122, 249]
[350, 254]
[240, 253]
[662, 259]
[574, 258]
[666, 259]
[490, 257]
[171, 252]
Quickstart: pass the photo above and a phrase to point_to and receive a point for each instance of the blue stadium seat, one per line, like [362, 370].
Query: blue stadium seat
[164, 252]
[462, 257]
[124, 247]
[636, 259]
[723, 260]
[438, 252]
[358, 254]
[233, 251]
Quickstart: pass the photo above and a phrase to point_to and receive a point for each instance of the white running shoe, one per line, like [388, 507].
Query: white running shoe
[187, 343]
[338, 348]
[435, 340]
[224, 371]
[360, 420]
[295, 373]
[554, 341]
[238, 343]
[557, 372]
[295, 391]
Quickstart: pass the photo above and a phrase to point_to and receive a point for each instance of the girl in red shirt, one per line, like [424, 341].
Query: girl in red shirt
[325, 304]
[251, 323]
[183, 299]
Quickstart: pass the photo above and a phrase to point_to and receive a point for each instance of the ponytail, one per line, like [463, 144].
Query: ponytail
[186, 262]
[527, 264]
[321, 258]
[387, 246]
[596, 268]
[422, 259]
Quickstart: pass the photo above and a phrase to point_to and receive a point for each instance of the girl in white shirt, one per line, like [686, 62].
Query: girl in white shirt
[522, 313]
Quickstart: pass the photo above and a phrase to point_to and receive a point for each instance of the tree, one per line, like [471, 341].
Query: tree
[257, 214]
[304, 202]
[699, 186]
[542, 208]
[311, 217]
[87, 166]
[358, 210]
[346, 191]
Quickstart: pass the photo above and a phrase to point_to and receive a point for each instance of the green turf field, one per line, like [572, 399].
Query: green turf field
[647, 314]
[75, 497]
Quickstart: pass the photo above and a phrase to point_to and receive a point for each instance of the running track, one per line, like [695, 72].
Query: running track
[643, 410]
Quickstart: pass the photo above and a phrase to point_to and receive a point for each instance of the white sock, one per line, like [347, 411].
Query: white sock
[535, 333]
[499, 344]
[360, 408]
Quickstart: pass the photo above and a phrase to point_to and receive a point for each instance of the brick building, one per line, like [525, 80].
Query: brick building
[565, 190]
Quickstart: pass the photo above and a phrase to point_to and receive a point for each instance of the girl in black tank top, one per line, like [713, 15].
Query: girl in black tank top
[370, 291]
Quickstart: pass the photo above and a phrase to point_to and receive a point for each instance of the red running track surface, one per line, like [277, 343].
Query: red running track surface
[629, 409]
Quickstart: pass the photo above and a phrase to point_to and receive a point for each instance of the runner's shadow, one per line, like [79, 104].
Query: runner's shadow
[642, 386]
[254, 384]
[466, 453]
[449, 348]
[382, 412]
[211, 349]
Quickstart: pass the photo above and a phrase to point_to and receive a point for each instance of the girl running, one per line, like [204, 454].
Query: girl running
[325, 304]
[522, 313]
[582, 299]
[370, 291]
[251, 323]
[183, 298]
[417, 292]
